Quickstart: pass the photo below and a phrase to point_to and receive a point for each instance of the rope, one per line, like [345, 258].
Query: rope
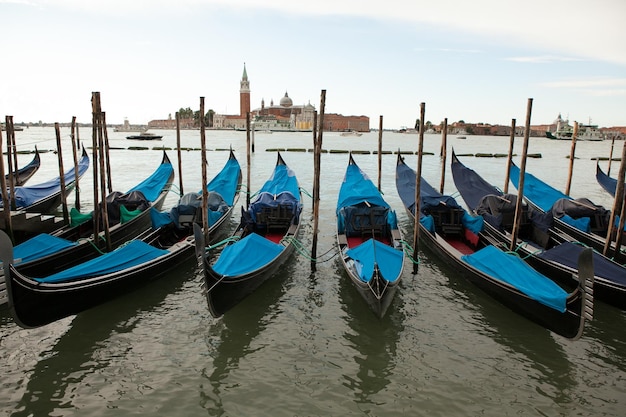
[222, 242]
[408, 251]
[305, 192]
[301, 249]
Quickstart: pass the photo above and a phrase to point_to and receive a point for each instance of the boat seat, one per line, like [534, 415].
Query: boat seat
[275, 219]
[372, 223]
[448, 222]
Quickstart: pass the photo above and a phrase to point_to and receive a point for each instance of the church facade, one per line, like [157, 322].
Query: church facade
[285, 116]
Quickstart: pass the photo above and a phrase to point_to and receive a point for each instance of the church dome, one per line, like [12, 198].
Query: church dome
[286, 101]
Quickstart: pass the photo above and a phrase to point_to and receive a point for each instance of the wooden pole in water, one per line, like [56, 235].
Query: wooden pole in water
[74, 140]
[317, 162]
[13, 153]
[252, 137]
[10, 132]
[66, 215]
[608, 169]
[205, 191]
[180, 162]
[522, 171]
[443, 153]
[6, 209]
[380, 150]
[618, 206]
[95, 115]
[248, 159]
[103, 188]
[510, 156]
[418, 181]
[107, 153]
[572, 154]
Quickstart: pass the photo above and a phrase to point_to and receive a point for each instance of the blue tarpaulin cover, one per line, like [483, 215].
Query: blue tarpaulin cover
[225, 182]
[152, 186]
[282, 179]
[540, 193]
[39, 246]
[405, 183]
[134, 253]
[355, 190]
[247, 255]
[28, 195]
[389, 260]
[514, 271]
[567, 254]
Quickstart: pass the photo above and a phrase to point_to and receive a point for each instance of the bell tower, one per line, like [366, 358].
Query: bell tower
[244, 93]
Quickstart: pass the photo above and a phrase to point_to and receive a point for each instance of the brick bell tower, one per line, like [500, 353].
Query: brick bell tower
[244, 93]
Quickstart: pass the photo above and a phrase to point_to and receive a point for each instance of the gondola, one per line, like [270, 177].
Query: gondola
[128, 214]
[577, 219]
[607, 183]
[27, 171]
[40, 300]
[370, 243]
[262, 242]
[536, 242]
[453, 235]
[46, 197]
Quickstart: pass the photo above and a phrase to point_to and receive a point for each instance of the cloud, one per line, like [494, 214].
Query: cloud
[543, 59]
[598, 82]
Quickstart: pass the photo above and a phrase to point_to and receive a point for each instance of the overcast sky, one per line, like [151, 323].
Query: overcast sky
[477, 60]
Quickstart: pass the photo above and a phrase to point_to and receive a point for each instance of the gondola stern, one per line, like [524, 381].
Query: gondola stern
[585, 285]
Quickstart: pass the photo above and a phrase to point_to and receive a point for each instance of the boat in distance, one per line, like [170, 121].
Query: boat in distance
[145, 136]
[261, 243]
[369, 240]
[39, 300]
[538, 244]
[453, 235]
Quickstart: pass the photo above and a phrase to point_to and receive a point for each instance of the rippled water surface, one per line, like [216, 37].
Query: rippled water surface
[305, 344]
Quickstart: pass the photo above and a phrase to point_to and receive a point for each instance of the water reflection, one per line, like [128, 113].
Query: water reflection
[82, 350]
[374, 341]
[230, 337]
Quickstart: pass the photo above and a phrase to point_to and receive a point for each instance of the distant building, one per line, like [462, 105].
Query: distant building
[170, 123]
[285, 116]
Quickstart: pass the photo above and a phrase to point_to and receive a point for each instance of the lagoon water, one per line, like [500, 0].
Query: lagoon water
[305, 344]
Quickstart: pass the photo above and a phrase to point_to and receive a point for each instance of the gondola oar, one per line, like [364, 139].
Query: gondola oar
[10, 150]
[107, 153]
[572, 156]
[317, 148]
[94, 145]
[608, 169]
[510, 156]
[443, 153]
[520, 188]
[418, 180]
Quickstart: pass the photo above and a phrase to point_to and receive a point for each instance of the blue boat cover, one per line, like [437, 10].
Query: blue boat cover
[431, 198]
[39, 246]
[225, 182]
[372, 251]
[567, 254]
[514, 271]
[134, 253]
[283, 179]
[358, 188]
[28, 195]
[247, 255]
[152, 186]
[537, 191]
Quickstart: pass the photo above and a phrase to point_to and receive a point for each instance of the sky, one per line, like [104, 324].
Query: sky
[479, 61]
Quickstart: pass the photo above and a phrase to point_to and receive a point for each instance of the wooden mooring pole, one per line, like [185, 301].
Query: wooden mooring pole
[317, 160]
[75, 146]
[203, 163]
[180, 162]
[380, 151]
[418, 181]
[443, 153]
[510, 157]
[522, 171]
[618, 207]
[572, 156]
[66, 215]
[6, 209]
